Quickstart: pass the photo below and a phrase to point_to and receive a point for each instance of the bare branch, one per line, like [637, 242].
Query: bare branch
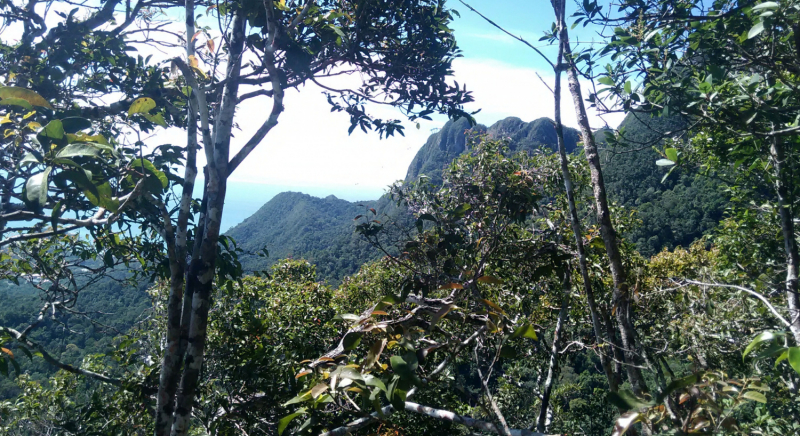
[57, 363]
[748, 291]
[446, 415]
[518, 38]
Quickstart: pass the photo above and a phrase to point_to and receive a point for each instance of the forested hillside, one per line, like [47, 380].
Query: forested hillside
[105, 310]
[669, 213]
[672, 212]
[295, 225]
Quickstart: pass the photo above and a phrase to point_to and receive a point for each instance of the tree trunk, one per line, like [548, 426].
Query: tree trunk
[789, 242]
[577, 231]
[616, 350]
[203, 268]
[622, 307]
[552, 371]
[178, 303]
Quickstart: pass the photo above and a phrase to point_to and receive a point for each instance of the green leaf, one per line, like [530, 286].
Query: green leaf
[151, 169]
[16, 102]
[761, 338]
[765, 5]
[663, 179]
[461, 210]
[628, 87]
[81, 149]
[284, 422]
[100, 196]
[755, 30]
[346, 317]
[508, 352]
[525, 331]
[782, 357]
[678, 385]
[755, 396]
[24, 94]
[374, 353]
[494, 306]
[141, 106]
[346, 372]
[318, 390]
[351, 340]
[156, 119]
[35, 189]
[31, 158]
[305, 396]
[650, 35]
[404, 366]
[672, 154]
[626, 400]
[375, 382]
[52, 132]
[605, 80]
[794, 358]
[441, 313]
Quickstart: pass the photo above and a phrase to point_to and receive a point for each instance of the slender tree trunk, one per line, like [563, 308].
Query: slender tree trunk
[789, 242]
[5, 201]
[622, 307]
[573, 210]
[202, 269]
[553, 368]
[177, 305]
[616, 350]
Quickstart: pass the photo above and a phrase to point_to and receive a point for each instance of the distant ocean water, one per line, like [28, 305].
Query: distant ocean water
[245, 198]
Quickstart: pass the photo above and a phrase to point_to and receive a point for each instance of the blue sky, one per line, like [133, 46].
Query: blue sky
[310, 146]
[310, 151]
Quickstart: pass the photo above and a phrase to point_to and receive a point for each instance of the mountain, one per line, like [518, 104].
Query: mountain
[451, 140]
[321, 230]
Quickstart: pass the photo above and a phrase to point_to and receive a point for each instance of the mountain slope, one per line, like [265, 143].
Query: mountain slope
[321, 230]
[673, 213]
[448, 143]
[297, 225]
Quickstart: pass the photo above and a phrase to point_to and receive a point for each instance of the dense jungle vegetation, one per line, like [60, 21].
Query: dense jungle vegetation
[525, 278]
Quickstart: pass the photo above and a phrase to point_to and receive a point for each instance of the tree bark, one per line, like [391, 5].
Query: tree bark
[789, 243]
[202, 269]
[622, 307]
[553, 368]
[178, 304]
[577, 230]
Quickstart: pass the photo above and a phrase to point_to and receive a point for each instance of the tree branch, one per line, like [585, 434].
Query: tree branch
[748, 291]
[518, 38]
[61, 365]
[446, 415]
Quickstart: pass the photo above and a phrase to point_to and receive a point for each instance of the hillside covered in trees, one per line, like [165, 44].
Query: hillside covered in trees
[525, 279]
[671, 213]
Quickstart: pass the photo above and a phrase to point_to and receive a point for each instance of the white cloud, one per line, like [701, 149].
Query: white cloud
[310, 146]
[502, 90]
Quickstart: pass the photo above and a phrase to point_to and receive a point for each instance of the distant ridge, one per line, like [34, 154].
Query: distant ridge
[321, 230]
